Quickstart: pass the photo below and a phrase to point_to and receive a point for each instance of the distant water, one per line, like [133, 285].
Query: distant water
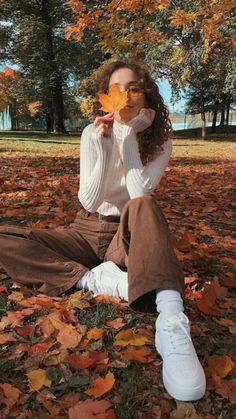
[197, 124]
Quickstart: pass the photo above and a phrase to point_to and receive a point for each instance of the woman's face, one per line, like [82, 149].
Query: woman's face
[127, 80]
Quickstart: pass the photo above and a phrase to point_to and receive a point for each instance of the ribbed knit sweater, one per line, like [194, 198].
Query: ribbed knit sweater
[111, 170]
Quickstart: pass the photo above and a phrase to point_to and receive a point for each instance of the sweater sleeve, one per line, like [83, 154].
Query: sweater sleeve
[142, 180]
[95, 151]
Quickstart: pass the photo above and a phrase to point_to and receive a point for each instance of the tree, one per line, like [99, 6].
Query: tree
[177, 38]
[35, 41]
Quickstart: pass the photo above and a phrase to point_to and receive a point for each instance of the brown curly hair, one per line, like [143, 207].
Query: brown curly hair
[151, 139]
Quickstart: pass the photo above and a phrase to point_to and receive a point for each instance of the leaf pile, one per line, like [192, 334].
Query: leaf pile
[77, 356]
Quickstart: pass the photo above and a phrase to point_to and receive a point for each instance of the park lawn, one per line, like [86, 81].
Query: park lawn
[39, 183]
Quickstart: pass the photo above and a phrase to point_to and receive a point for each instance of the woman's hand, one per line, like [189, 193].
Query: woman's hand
[103, 124]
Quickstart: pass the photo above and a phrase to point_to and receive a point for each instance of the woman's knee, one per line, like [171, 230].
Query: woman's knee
[146, 200]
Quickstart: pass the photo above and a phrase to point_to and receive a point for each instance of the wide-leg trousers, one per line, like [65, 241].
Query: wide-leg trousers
[54, 260]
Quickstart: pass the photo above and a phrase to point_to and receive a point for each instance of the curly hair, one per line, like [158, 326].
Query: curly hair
[151, 139]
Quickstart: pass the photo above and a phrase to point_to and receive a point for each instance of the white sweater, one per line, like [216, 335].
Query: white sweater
[111, 170]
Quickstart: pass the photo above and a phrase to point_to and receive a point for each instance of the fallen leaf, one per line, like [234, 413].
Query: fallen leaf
[11, 394]
[69, 337]
[77, 360]
[92, 409]
[101, 386]
[130, 337]
[227, 389]
[37, 379]
[95, 333]
[116, 324]
[143, 355]
[220, 365]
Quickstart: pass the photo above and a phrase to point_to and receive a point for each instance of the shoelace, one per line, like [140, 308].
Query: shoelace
[179, 340]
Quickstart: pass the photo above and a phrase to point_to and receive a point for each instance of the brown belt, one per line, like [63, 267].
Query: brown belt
[100, 217]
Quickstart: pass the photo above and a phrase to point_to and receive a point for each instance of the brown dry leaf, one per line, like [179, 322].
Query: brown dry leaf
[130, 337]
[6, 337]
[220, 365]
[227, 389]
[37, 379]
[55, 357]
[117, 323]
[100, 386]
[227, 323]
[143, 355]
[69, 337]
[208, 309]
[114, 101]
[95, 333]
[91, 409]
[184, 411]
[11, 394]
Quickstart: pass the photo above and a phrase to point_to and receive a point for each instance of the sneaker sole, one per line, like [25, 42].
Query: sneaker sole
[184, 394]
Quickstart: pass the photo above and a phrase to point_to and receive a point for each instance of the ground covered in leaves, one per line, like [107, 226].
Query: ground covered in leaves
[84, 357]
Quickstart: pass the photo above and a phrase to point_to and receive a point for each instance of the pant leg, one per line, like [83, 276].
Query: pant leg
[143, 244]
[51, 260]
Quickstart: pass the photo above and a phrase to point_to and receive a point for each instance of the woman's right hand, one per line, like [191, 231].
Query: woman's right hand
[103, 124]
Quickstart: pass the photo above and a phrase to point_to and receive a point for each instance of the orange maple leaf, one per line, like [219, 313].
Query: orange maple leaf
[95, 333]
[101, 386]
[132, 353]
[114, 101]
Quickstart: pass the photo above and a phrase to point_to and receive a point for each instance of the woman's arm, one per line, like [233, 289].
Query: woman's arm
[95, 151]
[143, 180]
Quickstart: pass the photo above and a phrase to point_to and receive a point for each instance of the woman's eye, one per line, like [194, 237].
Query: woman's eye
[134, 90]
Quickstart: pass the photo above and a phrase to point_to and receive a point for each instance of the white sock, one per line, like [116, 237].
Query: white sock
[169, 302]
[83, 282]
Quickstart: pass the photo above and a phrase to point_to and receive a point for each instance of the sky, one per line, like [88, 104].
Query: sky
[165, 91]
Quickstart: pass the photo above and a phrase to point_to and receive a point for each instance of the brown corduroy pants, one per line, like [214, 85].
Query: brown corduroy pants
[54, 261]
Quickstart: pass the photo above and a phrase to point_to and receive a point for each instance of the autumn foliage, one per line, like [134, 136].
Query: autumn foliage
[75, 356]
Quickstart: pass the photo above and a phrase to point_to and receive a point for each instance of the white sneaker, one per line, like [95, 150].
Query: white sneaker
[183, 375]
[108, 279]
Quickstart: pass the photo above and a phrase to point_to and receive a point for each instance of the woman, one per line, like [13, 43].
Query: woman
[119, 243]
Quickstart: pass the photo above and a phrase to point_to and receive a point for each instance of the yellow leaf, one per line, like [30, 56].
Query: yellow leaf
[129, 337]
[77, 300]
[101, 386]
[114, 101]
[37, 379]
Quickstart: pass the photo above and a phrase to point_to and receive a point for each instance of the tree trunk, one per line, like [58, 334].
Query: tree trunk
[203, 117]
[213, 127]
[222, 121]
[12, 110]
[227, 113]
[49, 117]
[55, 78]
[59, 127]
